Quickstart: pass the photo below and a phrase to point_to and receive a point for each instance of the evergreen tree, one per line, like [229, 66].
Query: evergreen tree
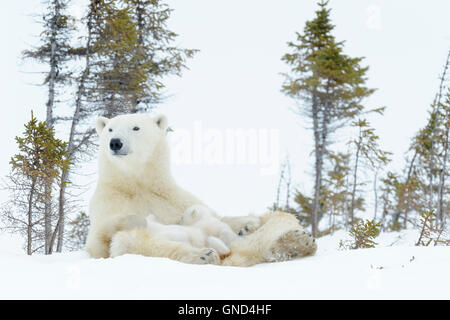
[78, 230]
[434, 123]
[127, 51]
[336, 194]
[155, 56]
[39, 163]
[80, 134]
[54, 51]
[363, 234]
[443, 205]
[338, 191]
[368, 152]
[424, 187]
[331, 85]
[134, 52]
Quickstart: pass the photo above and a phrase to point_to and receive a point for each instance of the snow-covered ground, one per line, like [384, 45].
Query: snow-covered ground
[395, 269]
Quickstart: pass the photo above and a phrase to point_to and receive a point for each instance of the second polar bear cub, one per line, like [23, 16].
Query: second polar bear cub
[201, 217]
[199, 227]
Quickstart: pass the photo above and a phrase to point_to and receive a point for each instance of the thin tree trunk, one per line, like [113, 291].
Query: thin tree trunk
[71, 141]
[53, 67]
[320, 138]
[30, 217]
[288, 182]
[383, 218]
[59, 228]
[277, 201]
[435, 121]
[352, 202]
[407, 197]
[408, 179]
[375, 191]
[324, 138]
[50, 121]
[317, 167]
[355, 175]
[140, 24]
[346, 202]
[440, 213]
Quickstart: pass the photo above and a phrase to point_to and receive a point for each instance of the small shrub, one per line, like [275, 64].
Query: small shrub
[363, 234]
[429, 233]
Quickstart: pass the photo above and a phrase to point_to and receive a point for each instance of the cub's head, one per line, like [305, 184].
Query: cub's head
[194, 214]
[130, 140]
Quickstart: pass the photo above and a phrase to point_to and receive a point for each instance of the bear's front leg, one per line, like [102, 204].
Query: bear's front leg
[243, 225]
[139, 241]
[98, 240]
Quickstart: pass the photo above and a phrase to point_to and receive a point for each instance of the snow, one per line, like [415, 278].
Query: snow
[395, 269]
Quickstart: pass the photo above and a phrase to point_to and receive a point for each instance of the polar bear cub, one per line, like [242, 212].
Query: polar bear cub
[188, 234]
[201, 217]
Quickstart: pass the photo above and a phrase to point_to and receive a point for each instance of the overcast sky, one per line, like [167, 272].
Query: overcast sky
[234, 84]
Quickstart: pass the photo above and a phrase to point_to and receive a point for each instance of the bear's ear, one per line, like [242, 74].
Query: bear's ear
[101, 123]
[193, 215]
[161, 121]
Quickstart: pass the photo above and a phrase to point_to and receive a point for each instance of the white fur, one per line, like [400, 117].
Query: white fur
[138, 181]
[193, 235]
[201, 217]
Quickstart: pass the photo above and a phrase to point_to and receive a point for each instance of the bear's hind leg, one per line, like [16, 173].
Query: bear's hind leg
[290, 245]
[279, 238]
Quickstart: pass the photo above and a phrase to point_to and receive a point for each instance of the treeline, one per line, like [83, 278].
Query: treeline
[329, 88]
[112, 61]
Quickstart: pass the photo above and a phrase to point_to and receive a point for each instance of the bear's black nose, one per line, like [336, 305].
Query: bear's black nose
[115, 144]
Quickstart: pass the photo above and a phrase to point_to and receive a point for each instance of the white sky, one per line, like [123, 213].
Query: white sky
[234, 82]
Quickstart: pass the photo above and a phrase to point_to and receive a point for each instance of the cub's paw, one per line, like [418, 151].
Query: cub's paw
[292, 244]
[250, 226]
[209, 256]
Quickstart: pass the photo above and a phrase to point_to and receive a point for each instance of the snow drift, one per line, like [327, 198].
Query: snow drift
[395, 269]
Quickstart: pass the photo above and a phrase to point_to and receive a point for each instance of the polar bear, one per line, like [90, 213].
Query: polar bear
[134, 179]
[189, 233]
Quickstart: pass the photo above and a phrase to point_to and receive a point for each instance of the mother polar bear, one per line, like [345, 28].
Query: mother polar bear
[135, 180]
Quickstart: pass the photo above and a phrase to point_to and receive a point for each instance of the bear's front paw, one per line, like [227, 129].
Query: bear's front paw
[292, 244]
[209, 256]
[250, 226]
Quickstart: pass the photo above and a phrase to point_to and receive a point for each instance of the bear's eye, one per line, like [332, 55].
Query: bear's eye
[136, 128]
[110, 130]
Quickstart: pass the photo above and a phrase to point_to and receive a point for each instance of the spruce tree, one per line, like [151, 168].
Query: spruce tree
[338, 194]
[424, 187]
[127, 50]
[39, 163]
[330, 84]
[80, 134]
[54, 51]
[134, 51]
[78, 230]
[443, 203]
[368, 153]
[155, 56]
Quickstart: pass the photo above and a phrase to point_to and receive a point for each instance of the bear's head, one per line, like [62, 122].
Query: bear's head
[129, 142]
